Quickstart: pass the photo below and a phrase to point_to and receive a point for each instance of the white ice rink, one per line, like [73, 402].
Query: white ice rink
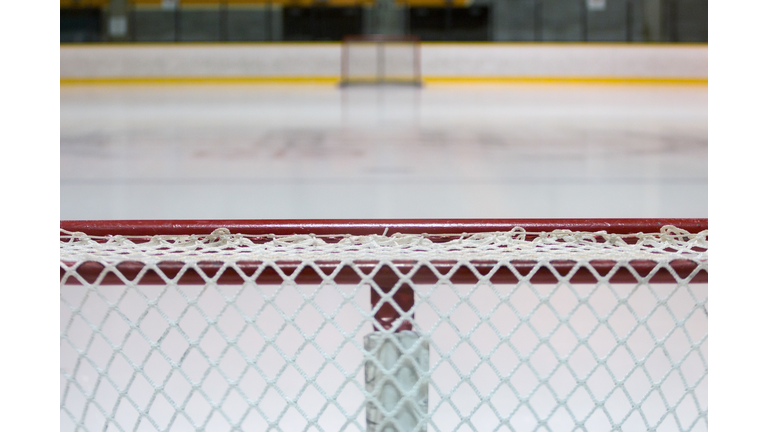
[443, 151]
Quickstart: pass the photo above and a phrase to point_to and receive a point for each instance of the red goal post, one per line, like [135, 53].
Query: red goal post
[434, 230]
[578, 324]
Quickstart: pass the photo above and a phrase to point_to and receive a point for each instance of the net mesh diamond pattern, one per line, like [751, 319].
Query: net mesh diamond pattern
[225, 331]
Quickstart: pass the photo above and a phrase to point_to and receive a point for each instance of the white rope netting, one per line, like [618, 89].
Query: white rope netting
[223, 246]
[483, 356]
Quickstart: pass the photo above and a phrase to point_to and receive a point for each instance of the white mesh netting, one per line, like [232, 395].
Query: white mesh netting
[391, 333]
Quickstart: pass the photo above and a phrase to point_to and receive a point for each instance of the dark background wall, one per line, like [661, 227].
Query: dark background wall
[483, 20]
[81, 24]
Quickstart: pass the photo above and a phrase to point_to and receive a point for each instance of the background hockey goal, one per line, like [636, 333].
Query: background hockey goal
[380, 60]
[513, 325]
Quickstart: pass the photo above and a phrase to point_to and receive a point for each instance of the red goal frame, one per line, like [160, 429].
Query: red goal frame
[435, 229]
[439, 230]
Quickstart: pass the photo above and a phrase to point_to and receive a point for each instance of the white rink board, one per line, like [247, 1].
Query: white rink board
[447, 60]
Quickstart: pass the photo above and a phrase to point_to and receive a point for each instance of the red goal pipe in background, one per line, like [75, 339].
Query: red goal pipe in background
[379, 41]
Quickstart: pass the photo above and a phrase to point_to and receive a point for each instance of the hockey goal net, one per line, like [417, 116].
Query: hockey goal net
[380, 60]
[384, 325]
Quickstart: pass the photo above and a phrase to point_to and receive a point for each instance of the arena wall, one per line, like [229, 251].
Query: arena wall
[440, 62]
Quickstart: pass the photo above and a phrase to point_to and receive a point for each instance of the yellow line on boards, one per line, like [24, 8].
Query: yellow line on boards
[199, 80]
[565, 80]
[427, 80]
